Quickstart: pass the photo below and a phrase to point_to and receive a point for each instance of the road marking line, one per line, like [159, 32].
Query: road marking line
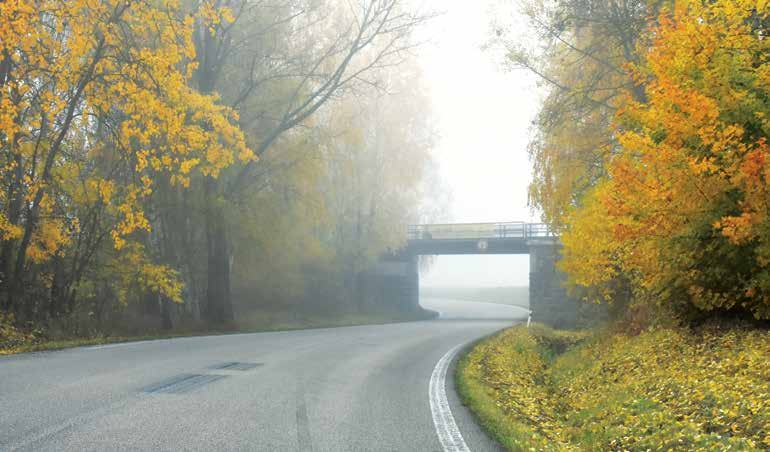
[102, 347]
[119, 344]
[446, 428]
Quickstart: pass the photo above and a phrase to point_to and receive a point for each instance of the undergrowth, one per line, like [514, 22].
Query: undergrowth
[540, 389]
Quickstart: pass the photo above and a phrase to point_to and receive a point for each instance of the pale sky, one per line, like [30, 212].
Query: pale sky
[483, 115]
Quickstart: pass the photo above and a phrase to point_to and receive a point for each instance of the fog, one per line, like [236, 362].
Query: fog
[477, 271]
[483, 115]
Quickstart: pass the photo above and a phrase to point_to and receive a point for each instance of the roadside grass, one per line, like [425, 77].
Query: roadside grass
[13, 341]
[60, 344]
[482, 402]
[541, 389]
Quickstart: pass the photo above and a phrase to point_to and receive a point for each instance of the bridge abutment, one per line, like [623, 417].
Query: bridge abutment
[548, 299]
[393, 283]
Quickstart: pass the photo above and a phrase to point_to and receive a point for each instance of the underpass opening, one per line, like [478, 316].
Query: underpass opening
[475, 286]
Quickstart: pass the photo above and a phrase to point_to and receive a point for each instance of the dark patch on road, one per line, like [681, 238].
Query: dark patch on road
[182, 384]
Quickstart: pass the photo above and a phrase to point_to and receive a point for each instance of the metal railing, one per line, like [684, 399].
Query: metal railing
[459, 231]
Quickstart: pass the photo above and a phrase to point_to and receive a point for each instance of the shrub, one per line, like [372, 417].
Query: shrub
[663, 389]
[11, 337]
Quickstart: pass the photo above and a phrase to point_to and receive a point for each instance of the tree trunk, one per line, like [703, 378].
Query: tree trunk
[165, 314]
[219, 303]
[15, 194]
[57, 293]
[150, 308]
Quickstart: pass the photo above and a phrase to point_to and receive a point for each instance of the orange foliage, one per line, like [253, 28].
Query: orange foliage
[685, 204]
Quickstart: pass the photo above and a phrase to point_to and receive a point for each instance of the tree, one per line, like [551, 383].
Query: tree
[686, 195]
[581, 53]
[321, 218]
[376, 170]
[130, 133]
[91, 94]
[276, 86]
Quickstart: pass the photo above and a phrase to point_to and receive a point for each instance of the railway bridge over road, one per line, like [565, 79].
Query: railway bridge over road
[396, 276]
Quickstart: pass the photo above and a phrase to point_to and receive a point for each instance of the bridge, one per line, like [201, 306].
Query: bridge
[396, 276]
[476, 238]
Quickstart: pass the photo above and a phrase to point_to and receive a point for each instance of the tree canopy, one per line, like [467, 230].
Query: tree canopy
[660, 186]
[155, 154]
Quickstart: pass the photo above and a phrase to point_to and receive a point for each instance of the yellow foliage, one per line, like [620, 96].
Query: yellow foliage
[683, 209]
[8, 231]
[136, 271]
[661, 390]
[48, 239]
[574, 126]
[590, 253]
[11, 337]
[73, 56]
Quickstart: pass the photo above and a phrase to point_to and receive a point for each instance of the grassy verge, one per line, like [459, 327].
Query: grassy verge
[13, 342]
[482, 402]
[541, 389]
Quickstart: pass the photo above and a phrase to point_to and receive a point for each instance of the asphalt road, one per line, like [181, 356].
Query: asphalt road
[340, 389]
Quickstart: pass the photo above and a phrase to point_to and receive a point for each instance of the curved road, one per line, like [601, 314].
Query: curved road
[339, 389]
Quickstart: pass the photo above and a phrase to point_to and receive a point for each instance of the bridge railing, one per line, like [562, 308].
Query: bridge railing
[459, 231]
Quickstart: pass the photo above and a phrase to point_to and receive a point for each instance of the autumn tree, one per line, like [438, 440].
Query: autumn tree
[376, 166]
[151, 147]
[333, 198]
[580, 50]
[277, 65]
[682, 211]
[96, 108]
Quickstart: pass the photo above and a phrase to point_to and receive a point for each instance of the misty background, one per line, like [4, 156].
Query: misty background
[483, 114]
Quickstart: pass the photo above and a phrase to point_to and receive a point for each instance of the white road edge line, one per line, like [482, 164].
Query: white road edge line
[105, 346]
[448, 433]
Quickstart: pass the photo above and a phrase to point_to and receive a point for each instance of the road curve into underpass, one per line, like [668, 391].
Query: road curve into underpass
[339, 389]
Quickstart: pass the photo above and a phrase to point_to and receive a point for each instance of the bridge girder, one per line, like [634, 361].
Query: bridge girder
[471, 246]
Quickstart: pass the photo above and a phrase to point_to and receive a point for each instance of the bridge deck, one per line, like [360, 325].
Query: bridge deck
[477, 238]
